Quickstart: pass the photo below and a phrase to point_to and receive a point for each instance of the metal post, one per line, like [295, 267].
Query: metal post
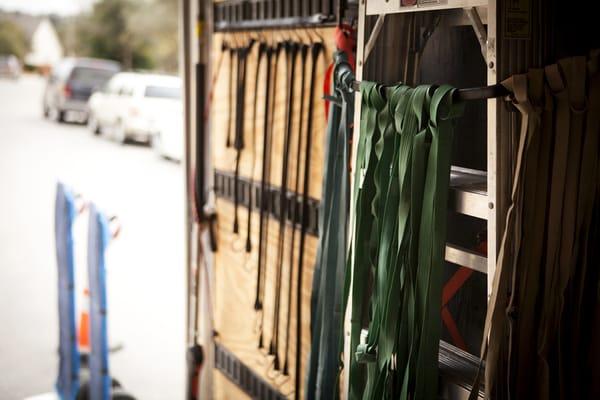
[492, 144]
[360, 46]
[185, 70]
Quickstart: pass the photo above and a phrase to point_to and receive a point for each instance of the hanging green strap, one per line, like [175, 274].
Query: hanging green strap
[327, 311]
[401, 188]
[432, 239]
[372, 101]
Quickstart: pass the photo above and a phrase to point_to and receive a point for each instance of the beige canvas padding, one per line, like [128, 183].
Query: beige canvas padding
[542, 321]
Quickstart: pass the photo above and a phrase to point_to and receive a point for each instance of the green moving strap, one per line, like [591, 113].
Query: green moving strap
[358, 262]
[401, 187]
[326, 303]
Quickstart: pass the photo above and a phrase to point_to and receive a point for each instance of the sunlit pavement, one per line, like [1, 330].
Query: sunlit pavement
[145, 263]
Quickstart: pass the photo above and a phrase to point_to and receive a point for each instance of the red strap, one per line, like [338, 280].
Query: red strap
[196, 381]
[345, 40]
[455, 283]
[457, 338]
[450, 288]
[327, 88]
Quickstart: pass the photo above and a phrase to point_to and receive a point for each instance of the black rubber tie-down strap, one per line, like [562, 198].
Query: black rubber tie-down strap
[264, 225]
[239, 123]
[291, 50]
[262, 47]
[232, 52]
[261, 199]
[316, 50]
[294, 210]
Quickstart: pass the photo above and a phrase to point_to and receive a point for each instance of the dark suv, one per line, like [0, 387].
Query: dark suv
[71, 83]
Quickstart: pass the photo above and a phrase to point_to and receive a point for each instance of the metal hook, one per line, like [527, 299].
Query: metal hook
[318, 35]
[234, 40]
[271, 372]
[295, 32]
[115, 225]
[248, 265]
[257, 330]
[275, 38]
[285, 380]
[238, 244]
[310, 38]
[80, 203]
[260, 36]
[257, 324]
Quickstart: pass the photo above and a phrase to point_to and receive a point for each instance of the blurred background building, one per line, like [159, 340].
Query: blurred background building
[45, 47]
[121, 30]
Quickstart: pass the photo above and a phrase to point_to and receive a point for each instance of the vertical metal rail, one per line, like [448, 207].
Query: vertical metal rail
[492, 146]
[195, 21]
[185, 71]
[204, 170]
[360, 46]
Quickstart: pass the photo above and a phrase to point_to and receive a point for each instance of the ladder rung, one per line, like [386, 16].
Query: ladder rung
[468, 203]
[468, 192]
[466, 258]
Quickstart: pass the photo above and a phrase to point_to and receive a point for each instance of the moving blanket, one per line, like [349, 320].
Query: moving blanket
[67, 383]
[543, 320]
[98, 239]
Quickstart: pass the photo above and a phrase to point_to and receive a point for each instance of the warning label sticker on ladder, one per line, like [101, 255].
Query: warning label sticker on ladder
[517, 19]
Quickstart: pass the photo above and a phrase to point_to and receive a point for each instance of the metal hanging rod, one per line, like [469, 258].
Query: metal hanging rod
[345, 77]
[315, 21]
[240, 15]
[477, 93]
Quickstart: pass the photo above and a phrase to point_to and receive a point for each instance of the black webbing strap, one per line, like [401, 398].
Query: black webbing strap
[316, 50]
[291, 51]
[200, 182]
[265, 178]
[263, 183]
[195, 353]
[262, 47]
[232, 52]
[294, 211]
[239, 124]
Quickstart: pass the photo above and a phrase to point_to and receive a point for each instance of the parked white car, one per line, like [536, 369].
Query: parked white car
[168, 138]
[132, 105]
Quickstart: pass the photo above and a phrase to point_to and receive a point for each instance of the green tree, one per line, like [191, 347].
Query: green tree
[141, 34]
[158, 21]
[106, 33]
[12, 39]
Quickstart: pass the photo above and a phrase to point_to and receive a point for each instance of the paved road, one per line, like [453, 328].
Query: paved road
[146, 263]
